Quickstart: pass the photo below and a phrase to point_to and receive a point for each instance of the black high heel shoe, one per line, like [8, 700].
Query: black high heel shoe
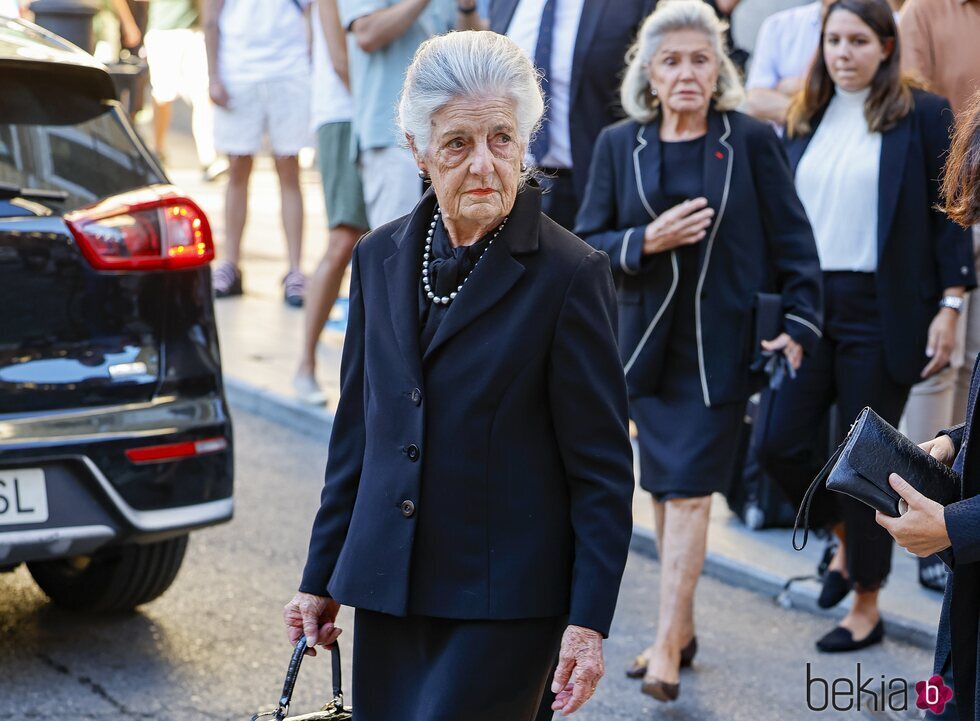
[661, 690]
[638, 669]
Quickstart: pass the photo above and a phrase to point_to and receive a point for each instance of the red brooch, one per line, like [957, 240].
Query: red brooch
[720, 155]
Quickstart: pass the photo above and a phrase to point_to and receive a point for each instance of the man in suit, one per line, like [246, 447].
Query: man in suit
[580, 46]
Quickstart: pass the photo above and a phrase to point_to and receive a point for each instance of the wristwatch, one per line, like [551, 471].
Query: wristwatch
[952, 301]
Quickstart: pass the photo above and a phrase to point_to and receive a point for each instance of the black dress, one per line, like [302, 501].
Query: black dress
[421, 668]
[686, 448]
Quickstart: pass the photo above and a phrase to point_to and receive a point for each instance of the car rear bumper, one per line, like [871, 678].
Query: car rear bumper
[96, 496]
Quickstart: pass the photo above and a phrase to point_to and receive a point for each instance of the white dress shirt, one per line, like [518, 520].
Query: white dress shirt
[837, 180]
[523, 30]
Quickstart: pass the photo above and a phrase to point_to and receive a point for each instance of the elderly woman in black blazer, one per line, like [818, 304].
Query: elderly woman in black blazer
[476, 506]
[694, 204]
[954, 531]
[867, 149]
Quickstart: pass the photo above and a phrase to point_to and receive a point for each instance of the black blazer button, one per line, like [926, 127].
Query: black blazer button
[408, 509]
[413, 452]
[417, 397]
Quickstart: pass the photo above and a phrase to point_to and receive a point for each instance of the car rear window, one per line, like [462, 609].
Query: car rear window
[61, 129]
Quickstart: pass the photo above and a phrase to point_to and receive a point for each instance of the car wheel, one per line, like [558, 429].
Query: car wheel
[113, 580]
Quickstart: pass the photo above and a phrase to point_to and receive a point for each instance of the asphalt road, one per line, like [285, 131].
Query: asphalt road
[213, 646]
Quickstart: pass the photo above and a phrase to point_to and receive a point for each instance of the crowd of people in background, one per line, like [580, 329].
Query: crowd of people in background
[811, 170]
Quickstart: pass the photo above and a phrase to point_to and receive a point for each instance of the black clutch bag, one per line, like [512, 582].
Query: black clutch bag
[861, 465]
[333, 711]
[767, 323]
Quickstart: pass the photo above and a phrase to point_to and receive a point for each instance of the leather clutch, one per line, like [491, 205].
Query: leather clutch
[861, 465]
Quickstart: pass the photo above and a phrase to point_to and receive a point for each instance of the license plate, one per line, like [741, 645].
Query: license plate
[23, 496]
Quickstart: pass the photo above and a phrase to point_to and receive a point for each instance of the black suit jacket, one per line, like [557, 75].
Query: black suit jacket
[492, 477]
[920, 251]
[959, 625]
[605, 31]
[759, 241]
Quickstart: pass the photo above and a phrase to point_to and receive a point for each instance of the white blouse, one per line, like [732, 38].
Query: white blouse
[837, 180]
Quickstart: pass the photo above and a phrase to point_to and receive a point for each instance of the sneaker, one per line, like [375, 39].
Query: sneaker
[294, 288]
[308, 391]
[227, 279]
[215, 170]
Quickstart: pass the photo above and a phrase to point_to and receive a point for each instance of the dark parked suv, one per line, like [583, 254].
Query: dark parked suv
[115, 439]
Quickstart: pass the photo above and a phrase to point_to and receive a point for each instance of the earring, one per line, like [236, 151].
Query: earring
[423, 175]
[653, 90]
[523, 167]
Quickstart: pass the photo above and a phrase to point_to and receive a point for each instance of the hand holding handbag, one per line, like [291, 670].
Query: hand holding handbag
[767, 324]
[333, 711]
[861, 465]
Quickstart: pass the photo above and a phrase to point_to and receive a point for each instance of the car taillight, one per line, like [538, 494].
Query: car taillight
[155, 228]
[176, 451]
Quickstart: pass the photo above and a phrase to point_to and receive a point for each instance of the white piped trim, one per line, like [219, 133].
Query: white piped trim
[804, 322]
[622, 254]
[660, 312]
[707, 256]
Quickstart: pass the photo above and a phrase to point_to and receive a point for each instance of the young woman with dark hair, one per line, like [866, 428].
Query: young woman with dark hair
[867, 148]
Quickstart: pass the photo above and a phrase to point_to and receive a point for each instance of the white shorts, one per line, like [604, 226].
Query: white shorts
[178, 64]
[392, 186]
[278, 109]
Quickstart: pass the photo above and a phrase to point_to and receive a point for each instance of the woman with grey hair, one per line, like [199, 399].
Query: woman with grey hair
[476, 506]
[694, 203]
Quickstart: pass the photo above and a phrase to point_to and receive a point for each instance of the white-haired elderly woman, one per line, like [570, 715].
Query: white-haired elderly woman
[695, 206]
[476, 506]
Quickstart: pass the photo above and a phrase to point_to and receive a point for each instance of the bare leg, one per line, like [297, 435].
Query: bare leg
[323, 290]
[864, 614]
[291, 198]
[658, 524]
[681, 560]
[161, 122]
[236, 205]
[839, 561]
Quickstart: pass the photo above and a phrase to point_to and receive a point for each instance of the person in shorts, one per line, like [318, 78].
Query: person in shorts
[342, 192]
[178, 60]
[258, 56]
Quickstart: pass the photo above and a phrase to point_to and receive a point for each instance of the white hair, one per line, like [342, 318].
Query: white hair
[470, 64]
[671, 16]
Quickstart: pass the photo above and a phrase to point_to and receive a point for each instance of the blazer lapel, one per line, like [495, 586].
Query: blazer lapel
[588, 23]
[646, 166]
[894, 145]
[718, 159]
[501, 13]
[497, 272]
[402, 269]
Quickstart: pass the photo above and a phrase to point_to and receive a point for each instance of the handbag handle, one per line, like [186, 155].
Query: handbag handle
[804, 509]
[292, 673]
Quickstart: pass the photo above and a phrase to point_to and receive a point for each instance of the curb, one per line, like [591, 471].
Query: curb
[316, 421]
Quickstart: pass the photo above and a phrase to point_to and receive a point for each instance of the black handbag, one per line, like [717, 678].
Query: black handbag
[333, 711]
[861, 465]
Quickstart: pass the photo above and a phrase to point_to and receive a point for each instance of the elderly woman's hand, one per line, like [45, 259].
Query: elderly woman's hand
[312, 616]
[684, 224]
[581, 656]
[941, 448]
[790, 348]
[921, 529]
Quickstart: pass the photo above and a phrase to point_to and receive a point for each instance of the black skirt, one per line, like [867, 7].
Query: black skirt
[418, 668]
[686, 448]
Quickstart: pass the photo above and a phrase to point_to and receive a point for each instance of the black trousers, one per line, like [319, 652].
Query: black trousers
[558, 201]
[847, 368]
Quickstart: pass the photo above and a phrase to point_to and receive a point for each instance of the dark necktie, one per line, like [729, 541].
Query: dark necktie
[542, 59]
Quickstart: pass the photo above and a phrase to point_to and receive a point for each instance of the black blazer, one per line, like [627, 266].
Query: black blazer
[959, 625]
[920, 251]
[492, 477]
[605, 31]
[760, 241]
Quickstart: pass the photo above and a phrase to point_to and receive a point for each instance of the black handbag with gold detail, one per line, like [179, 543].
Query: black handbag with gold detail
[332, 711]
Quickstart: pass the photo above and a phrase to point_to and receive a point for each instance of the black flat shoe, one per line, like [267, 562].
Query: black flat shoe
[840, 639]
[638, 668]
[835, 589]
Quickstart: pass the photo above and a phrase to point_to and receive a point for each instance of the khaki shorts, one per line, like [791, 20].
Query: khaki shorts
[343, 194]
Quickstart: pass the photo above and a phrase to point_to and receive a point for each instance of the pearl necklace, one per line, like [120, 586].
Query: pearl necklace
[447, 299]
